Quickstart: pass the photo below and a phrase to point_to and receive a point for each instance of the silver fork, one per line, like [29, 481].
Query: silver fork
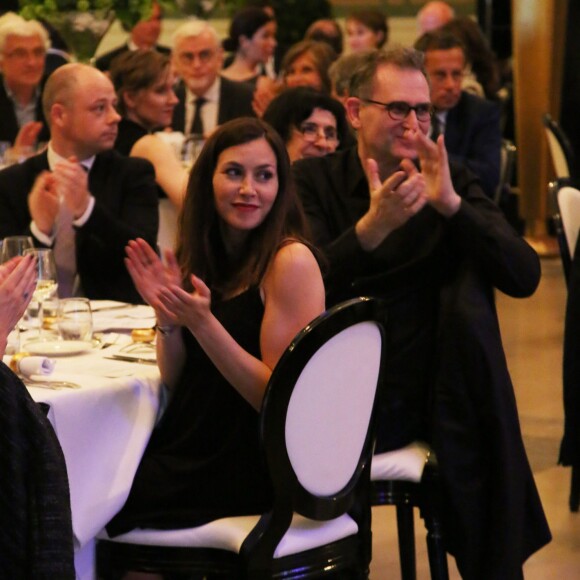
[48, 384]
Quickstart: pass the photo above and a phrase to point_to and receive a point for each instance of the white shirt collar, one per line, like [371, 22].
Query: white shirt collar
[54, 158]
[212, 94]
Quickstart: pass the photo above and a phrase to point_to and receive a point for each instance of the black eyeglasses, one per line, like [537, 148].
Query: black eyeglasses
[311, 132]
[399, 110]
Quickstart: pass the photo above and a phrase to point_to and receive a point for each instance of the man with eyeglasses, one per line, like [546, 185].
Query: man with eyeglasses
[206, 99]
[397, 221]
[471, 124]
[23, 46]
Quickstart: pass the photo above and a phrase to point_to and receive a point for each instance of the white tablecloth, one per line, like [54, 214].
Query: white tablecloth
[103, 429]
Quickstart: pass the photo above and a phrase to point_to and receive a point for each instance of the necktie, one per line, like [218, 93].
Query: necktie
[65, 252]
[435, 127]
[197, 123]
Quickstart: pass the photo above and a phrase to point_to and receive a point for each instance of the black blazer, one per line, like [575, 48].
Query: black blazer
[36, 539]
[439, 274]
[473, 137]
[126, 207]
[104, 61]
[8, 121]
[235, 100]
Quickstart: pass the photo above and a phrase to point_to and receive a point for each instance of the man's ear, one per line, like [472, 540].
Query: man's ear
[353, 111]
[57, 114]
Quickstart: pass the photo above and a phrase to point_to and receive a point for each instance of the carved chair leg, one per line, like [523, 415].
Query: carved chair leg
[406, 533]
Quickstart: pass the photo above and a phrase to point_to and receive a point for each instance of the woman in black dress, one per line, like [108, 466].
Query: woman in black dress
[241, 285]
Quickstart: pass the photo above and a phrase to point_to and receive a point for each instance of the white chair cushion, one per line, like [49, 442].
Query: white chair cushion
[230, 533]
[330, 408]
[405, 464]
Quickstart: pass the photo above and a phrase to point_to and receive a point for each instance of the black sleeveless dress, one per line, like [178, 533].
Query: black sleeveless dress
[204, 459]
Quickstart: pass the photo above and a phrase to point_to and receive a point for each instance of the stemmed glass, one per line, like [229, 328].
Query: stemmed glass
[13, 246]
[47, 284]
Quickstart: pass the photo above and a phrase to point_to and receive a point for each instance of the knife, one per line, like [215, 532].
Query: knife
[107, 308]
[131, 359]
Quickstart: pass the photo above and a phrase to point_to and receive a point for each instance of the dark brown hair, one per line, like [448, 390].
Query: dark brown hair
[374, 20]
[322, 54]
[201, 249]
[136, 70]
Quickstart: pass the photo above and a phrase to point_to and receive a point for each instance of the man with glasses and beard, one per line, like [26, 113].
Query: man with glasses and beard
[396, 220]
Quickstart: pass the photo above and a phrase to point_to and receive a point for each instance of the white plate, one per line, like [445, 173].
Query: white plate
[57, 347]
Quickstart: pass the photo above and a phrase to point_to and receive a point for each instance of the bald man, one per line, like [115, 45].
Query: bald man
[434, 15]
[80, 197]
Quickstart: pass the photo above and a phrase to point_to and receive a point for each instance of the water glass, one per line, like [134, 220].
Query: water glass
[75, 319]
[13, 246]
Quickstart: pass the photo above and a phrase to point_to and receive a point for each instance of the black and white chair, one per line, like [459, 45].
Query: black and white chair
[561, 150]
[316, 428]
[408, 478]
[567, 224]
[567, 221]
[507, 165]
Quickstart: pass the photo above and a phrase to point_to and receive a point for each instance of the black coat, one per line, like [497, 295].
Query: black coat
[235, 100]
[570, 448]
[438, 276]
[126, 207]
[36, 537]
[8, 121]
[473, 136]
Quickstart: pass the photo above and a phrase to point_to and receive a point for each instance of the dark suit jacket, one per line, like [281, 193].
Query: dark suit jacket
[437, 278]
[8, 121]
[126, 207]
[235, 100]
[104, 61]
[473, 136]
[36, 538]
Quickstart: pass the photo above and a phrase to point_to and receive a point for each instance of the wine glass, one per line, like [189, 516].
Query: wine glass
[13, 246]
[46, 281]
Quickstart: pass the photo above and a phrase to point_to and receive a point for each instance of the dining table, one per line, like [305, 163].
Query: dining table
[104, 400]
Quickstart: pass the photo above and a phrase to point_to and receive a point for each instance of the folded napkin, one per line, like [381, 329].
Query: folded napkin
[32, 365]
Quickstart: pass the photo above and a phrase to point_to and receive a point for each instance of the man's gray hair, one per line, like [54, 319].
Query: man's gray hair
[363, 74]
[13, 25]
[194, 27]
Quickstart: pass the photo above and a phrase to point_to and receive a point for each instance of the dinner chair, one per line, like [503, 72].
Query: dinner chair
[561, 150]
[407, 478]
[507, 164]
[317, 436]
[567, 223]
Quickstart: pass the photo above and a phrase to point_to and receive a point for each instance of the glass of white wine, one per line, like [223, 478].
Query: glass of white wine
[46, 284]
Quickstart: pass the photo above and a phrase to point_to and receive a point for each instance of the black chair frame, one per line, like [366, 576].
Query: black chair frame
[566, 256]
[405, 496]
[255, 561]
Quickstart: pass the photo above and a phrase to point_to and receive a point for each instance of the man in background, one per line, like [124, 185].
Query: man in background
[23, 45]
[398, 221]
[80, 197]
[206, 99]
[471, 124]
[143, 36]
[434, 15]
